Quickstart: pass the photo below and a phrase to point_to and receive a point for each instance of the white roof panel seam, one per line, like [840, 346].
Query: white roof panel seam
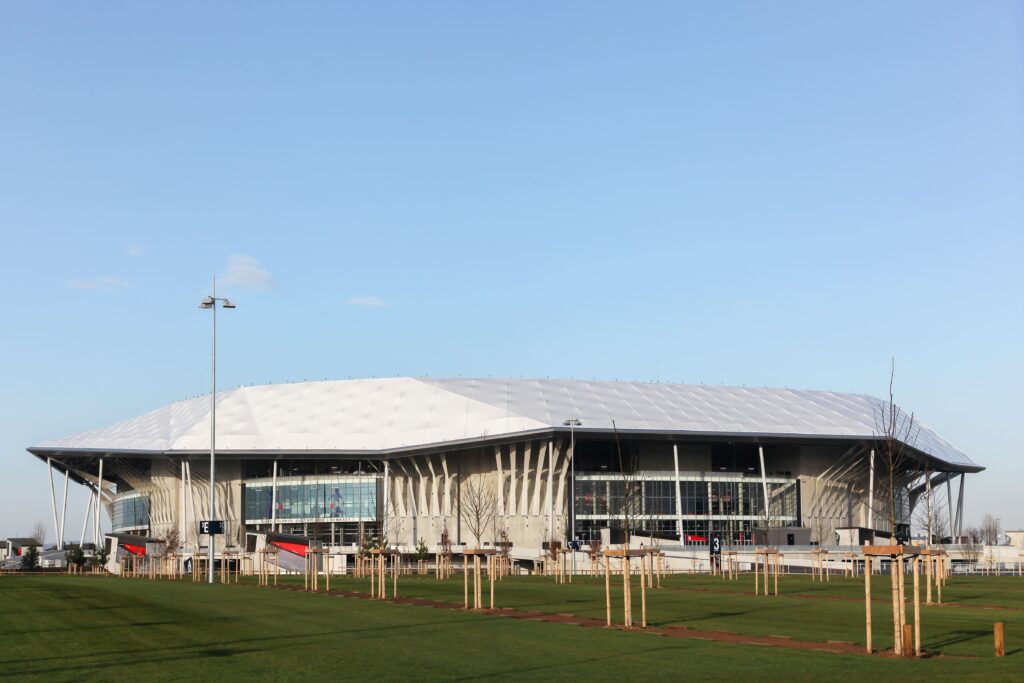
[393, 413]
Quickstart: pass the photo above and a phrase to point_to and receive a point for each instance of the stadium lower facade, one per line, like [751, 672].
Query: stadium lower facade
[410, 459]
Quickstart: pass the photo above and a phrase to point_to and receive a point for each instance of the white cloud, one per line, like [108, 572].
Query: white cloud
[245, 272]
[135, 250]
[366, 301]
[100, 283]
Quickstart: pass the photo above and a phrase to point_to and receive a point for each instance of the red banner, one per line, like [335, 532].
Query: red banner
[297, 548]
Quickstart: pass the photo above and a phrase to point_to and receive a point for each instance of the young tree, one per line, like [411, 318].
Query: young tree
[446, 541]
[74, 556]
[30, 559]
[479, 507]
[504, 545]
[422, 553]
[396, 526]
[990, 530]
[594, 550]
[930, 520]
[172, 542]
[820, 526]
[628, 514]
[99, 559]
[895, 430]
[927, 510]
[970, 545]
[38, 532]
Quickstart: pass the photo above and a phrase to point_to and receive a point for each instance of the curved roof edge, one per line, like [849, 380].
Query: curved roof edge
[403, 414]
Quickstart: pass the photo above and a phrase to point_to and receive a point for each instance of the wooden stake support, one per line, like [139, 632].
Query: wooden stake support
[903, 634]
[867, 599]
[378, 574]
[443, 567]
[935, 565]
[268, 564]
[314, 562]
[768, 560]
[625, 556]
[730, 562]
[476, 554]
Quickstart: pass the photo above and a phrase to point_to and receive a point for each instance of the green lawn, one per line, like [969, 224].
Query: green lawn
[81, 628]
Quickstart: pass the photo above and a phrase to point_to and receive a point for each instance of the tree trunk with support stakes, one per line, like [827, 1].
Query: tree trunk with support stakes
[608, 589]
[917, 609]
[867, 599]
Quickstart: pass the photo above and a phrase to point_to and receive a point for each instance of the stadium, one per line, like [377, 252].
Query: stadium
[339, 462]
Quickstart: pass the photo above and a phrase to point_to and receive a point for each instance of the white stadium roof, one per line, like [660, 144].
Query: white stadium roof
[408, 413]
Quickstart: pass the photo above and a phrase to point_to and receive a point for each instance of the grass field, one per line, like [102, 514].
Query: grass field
[91, 628]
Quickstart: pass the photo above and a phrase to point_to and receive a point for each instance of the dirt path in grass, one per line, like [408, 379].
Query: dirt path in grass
[835, 647]
[841, 598]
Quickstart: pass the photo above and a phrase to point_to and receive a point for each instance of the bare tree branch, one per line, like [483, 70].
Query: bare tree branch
[629, 512]
[990, 530]
[479, 507]
[895, 430]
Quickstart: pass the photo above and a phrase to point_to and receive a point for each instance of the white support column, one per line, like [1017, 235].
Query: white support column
[403, 488]
[764, 487]
[387, 501]
[435, 503]
[524, 502]
[501, 478]
[931, 518]
[53, 504]
[181, 507]
[949, 505]
[64, 509]
[564, 459]
[513, 449]
[421, 489]
[99, 506]
[413, 501]
[85, 520]
[537, 479]
[190, 524]
[679, 493]
[871, 491]
[273, 499]
[447, 486]
[960, 508]
[399, 493]
[551, 469]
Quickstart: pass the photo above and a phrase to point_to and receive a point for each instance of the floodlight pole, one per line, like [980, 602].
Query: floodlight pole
[213, 432]
[572, 424]
[211, 302]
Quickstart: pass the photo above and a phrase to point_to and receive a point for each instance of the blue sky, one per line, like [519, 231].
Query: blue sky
[782, 194]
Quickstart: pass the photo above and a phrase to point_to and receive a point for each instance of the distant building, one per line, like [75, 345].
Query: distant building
[341, 460]
[15, 547]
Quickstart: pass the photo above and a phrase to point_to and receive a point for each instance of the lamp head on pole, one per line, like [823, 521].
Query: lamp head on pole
[572, 423]
[228, 304]
[206, 302]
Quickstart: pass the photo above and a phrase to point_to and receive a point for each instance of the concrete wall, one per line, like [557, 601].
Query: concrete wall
[526, 482]
[529, 484]
[165, 487]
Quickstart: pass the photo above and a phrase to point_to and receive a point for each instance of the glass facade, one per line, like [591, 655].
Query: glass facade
[733, 506]
[131, 512]
[348, 499]
[694, 497]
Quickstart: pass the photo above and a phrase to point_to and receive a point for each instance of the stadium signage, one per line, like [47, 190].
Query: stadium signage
[716, 543]
[211, 527]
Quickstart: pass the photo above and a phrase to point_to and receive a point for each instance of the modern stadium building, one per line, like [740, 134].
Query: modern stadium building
[338, 461]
